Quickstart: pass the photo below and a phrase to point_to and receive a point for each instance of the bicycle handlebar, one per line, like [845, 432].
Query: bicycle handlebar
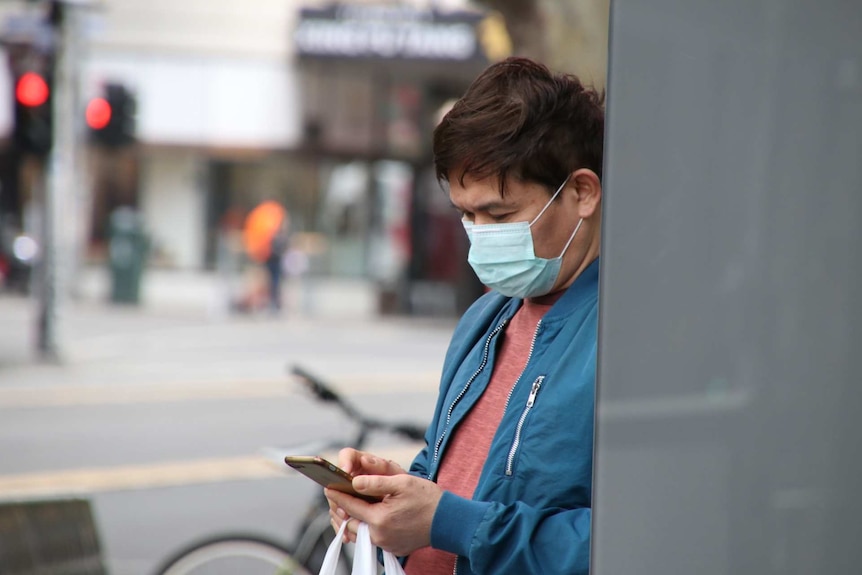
[320, 389]
[410, 431]
[325, 393]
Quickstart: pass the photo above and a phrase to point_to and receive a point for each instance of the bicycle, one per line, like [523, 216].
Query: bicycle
[247, 554]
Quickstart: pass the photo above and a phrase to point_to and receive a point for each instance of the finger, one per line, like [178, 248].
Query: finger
[349, 459]
[334, 509]
[333, 505]
[373, 465]
[376, 485]
[348, 504]
[337, 525]
[338, 515]
[362, 463]
[345, 535]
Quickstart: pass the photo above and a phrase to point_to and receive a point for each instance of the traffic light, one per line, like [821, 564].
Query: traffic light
[111, 117]
[34, 126]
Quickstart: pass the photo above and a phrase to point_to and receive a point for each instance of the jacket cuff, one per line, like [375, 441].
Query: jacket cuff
[455, 522]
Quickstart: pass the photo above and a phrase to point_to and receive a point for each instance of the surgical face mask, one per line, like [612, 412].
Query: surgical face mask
[503, 257]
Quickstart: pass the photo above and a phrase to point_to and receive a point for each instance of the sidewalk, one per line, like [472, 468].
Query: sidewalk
[203, 292]
[178, 333]
[171, 295]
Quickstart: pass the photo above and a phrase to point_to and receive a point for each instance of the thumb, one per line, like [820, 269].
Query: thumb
[376, 485]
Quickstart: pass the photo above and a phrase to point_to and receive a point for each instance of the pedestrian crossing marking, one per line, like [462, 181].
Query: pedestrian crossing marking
[88, 481]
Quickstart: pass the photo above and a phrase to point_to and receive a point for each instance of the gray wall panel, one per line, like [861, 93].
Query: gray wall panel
[731, 299]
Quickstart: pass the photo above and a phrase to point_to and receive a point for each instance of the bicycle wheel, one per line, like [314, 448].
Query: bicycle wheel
[233, 555]
[317, 534]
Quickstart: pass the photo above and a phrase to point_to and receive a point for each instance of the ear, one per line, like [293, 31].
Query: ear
[588, 191]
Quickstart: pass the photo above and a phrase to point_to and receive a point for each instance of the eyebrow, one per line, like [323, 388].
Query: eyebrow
[482, 207]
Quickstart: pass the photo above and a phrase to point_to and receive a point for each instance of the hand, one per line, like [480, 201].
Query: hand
[401, 523]
[364, 463]
[359, 463]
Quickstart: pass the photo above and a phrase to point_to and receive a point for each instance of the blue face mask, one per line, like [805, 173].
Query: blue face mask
[503, 257]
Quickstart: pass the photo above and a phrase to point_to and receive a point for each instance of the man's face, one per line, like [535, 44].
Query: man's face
[479, 201]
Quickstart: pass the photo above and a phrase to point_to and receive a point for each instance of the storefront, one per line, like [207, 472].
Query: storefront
[373, 81]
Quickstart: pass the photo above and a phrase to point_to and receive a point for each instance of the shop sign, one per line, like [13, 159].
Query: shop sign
[388, 33]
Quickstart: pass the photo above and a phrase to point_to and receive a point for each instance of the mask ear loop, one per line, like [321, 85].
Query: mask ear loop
[571, 237]
[557, 193]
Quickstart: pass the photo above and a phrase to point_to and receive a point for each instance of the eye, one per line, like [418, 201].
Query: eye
[465, 215]
[500, 217]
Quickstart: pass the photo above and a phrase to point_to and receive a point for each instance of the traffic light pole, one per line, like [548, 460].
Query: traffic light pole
[59, 197]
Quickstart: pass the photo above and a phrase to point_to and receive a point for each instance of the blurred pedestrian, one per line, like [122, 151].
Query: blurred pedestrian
[278, 248]
[504, 482]
[266, 239]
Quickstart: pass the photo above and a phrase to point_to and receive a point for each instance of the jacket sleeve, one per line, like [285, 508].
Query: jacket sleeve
[419, 467]
[513, 538]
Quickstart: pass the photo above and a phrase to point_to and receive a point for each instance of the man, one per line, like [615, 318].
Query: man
[504, 482]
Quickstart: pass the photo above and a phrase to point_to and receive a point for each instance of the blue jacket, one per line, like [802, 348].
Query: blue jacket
[530, 512]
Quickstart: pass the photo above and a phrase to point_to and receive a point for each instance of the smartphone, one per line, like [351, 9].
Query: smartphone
[326, 474]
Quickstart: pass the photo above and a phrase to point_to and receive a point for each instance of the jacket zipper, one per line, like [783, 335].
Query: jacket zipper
[462, 392]
[534, 391]
[526, 363]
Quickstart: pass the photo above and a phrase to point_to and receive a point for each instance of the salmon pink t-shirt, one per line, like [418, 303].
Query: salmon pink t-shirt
[468, 448]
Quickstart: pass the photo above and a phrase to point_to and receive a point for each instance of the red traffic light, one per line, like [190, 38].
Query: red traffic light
[32, 90]
[98, 113]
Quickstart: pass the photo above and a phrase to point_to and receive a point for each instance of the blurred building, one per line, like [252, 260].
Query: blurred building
[374, 79]
[217, 114]
[327, 108]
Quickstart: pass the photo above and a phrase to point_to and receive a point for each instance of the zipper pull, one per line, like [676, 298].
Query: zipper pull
[534, 391]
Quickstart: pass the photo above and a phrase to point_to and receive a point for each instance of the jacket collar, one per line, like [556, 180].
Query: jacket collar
[583, 291]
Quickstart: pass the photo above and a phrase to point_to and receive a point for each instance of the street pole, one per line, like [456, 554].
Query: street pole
[59, 206]
[49, 289]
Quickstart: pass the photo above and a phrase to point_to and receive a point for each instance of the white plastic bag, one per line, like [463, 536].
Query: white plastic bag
[330, 560]
[364, 558]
